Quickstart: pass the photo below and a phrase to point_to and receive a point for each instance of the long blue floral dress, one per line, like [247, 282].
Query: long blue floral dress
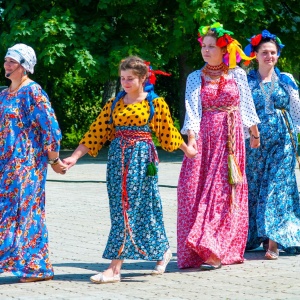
[274, 207]
[28, 130]
[137, 227]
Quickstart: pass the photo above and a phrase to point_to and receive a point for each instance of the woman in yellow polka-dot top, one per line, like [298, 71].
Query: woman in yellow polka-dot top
[137, 228]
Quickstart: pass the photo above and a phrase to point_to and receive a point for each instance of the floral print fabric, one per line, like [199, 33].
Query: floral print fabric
[145, 215]
[274, 207]
[28, 130]
[207, 222]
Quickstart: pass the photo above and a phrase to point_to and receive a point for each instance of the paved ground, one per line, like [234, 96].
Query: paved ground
[78, 224]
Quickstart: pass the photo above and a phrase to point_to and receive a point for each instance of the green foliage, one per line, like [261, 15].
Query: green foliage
[79, 44]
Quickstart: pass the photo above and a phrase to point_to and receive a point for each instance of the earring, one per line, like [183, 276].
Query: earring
[25, 72]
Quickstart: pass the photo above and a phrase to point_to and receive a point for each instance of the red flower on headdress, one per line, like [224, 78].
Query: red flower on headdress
[152, 77]
[224, 40]
[256, 40]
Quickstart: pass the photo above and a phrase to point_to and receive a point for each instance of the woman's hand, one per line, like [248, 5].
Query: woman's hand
[70, 161]
[59, 167]
[190, 151]
[254, 137]
[254, 143]
[192, 143]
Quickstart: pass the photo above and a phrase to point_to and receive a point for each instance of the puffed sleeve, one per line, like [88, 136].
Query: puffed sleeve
[163, 127]
[43, 116]
[247, 107]
[193, 105]
[294, 102]
[100, 131]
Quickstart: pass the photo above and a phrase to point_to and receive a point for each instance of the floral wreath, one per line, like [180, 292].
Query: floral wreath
[234, 52]
[256, 39]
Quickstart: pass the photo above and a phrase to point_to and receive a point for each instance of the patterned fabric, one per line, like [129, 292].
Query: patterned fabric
[21, 52]
[193, 102]
[28, 130]
[274, 207]
[136, 114]
[207, 223]
[145, 210]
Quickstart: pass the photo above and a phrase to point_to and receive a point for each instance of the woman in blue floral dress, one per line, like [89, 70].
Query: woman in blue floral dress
[137, 228]
[29, 138]
[274, 207]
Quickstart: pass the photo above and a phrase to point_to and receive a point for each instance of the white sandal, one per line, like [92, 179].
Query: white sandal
[160, 269]
[271, 255]
[100, 278]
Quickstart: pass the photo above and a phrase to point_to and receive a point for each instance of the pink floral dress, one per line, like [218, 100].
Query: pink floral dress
[208, 221]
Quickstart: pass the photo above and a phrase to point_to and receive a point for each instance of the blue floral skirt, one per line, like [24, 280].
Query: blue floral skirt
[145, 215]
[274, 205]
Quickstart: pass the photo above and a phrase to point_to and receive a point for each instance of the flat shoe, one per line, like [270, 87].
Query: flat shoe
[271, 255]
[100, 278]
[208, 267]
[35, 279]
[160, 269]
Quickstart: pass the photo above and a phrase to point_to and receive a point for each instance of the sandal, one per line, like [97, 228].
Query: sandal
[160, 269]
[271, 255]
[100, 278]
[208, 267]
[35, 279]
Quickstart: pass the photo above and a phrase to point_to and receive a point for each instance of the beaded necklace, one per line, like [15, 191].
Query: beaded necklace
[215, 72]
[269, 104]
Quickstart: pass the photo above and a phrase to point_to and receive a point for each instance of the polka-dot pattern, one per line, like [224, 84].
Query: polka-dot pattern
[294, 102]
[136, 114]
[194, 107]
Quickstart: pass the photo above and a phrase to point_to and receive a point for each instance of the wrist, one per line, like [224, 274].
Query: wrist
[53, 161]
[255, 137]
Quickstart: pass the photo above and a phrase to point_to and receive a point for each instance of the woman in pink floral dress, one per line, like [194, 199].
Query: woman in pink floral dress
[212, 190]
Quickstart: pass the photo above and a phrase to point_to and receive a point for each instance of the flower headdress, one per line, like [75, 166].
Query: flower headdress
[256, 39]
[234, 52]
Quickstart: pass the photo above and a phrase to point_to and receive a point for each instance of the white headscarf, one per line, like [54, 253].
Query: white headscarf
[24, 55]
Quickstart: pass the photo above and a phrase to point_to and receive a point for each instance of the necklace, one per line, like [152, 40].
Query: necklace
[269, 104]
[17, 88]
[215, 72]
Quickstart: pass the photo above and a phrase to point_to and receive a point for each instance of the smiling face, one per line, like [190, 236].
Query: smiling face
[211, 53]
[130, 82]
[12, 67]
[267, 55]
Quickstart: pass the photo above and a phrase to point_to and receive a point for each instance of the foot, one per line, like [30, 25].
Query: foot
[101, 278]
[272, 255]
[209, 267]
[35, 279]
[160, 267]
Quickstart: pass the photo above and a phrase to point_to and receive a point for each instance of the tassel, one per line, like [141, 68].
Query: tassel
[234, 173]
[151, 169]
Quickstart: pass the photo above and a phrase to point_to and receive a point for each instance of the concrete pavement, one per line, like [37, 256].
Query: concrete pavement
[78, 225]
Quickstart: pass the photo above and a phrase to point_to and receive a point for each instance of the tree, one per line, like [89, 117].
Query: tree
[79, 44]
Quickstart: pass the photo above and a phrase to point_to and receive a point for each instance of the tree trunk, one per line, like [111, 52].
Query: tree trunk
[109, 90]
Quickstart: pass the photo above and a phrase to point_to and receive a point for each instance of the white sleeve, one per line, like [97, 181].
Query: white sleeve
[247, 107]
[193, 105]
[294, 102]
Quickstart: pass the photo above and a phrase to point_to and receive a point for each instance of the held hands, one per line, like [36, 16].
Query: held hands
[59, 167]
[190, 151]
[70, 161]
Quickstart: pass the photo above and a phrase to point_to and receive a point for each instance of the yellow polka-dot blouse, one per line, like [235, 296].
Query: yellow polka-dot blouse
[136, 114]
